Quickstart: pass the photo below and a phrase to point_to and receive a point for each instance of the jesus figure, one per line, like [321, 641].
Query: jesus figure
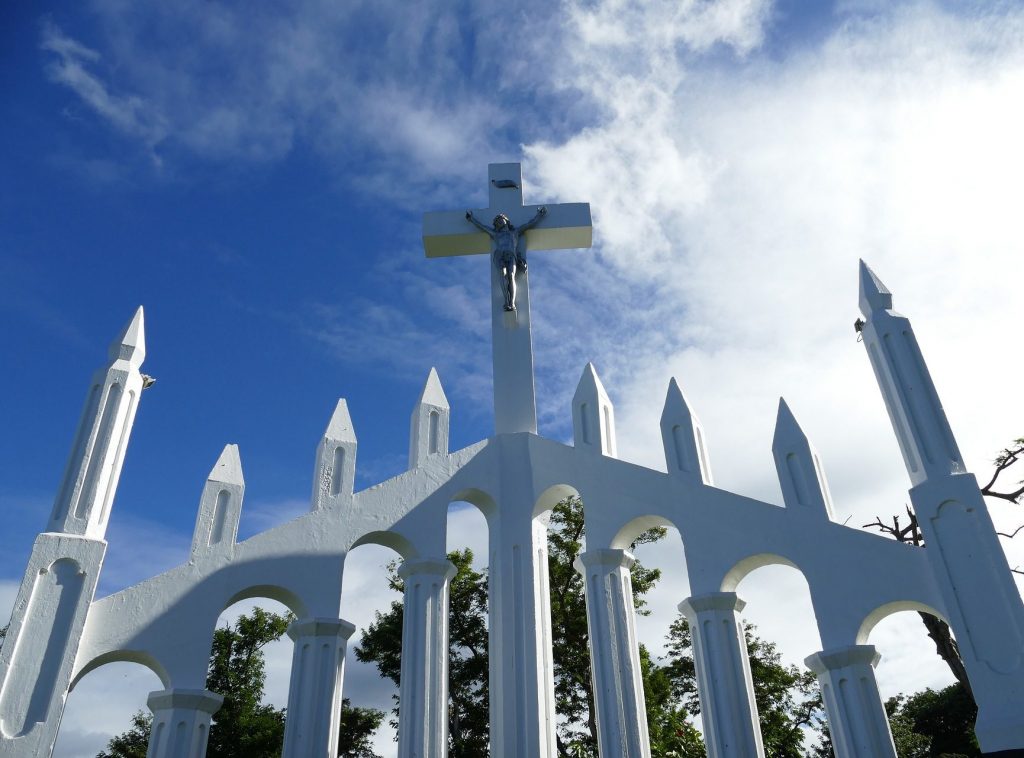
[509, 253]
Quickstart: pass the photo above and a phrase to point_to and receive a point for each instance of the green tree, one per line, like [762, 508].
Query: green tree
[133, 743]
[243, 727]
[358, 726]
[939, 723]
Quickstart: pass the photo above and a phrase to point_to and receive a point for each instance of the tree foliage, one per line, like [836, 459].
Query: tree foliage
[934, 723]
[243, 727]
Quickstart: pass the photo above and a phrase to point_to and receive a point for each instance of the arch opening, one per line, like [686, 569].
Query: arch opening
[781, 630]
[368, 602]
[104, 698]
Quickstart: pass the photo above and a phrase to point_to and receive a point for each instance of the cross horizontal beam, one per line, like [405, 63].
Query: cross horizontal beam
[566, 225]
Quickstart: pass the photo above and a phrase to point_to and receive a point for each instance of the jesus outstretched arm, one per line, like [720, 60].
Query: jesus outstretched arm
[482, 227]
[541, 212]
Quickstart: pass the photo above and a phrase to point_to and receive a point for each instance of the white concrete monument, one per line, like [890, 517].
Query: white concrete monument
[59, 632]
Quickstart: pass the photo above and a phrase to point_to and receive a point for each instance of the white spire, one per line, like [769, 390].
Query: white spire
[801, 476]
[682, 435]
[593, 417]
[131, 345]
[220, 506]
[90, 479]
[915, 411]
[429, 425]
[334, 473]
[873, 294]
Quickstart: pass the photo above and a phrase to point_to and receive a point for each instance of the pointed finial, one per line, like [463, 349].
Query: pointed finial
[334, 472]
[787, 428]
[593, 417]
[801, 475]
[433, 393]
[682, 435]
[228, 468]
[339, 428]
[873, 294]
[131, 345]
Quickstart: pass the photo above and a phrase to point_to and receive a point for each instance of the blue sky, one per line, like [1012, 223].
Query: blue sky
[254, 175]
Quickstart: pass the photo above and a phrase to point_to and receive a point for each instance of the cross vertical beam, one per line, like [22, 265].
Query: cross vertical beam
[448, 233]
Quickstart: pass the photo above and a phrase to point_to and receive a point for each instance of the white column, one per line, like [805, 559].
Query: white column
[314, 694]
[423, 699]
[614, 655]
[981, 600]
[181, 722]
[731, 727]
[856, 716]
[521, 682]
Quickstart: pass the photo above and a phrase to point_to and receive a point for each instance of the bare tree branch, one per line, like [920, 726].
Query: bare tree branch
[1003, 461]
[1011, 536]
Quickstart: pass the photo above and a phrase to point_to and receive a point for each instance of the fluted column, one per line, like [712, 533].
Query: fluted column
[724, 683]
[614, 655]
[856, 716]
[181, 722]
[423, 697]
[314, 694]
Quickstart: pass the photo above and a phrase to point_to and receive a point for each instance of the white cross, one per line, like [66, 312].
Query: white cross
[449, 233]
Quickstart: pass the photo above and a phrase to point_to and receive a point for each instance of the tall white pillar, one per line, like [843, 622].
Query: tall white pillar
[521, 682]
[59, 583]
[981, 600]
[181, 722]
[731, 727]
[423, 697]
[856, 716]
[614, 654]
[314, 694]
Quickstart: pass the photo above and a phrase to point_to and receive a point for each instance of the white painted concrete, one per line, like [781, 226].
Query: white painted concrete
[856, 716]
[58, 633]
[314, 694]
[725, 687]
[181, 722]
[614, 653]
[423, 714]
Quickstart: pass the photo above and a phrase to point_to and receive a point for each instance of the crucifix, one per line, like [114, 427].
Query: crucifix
[515, 229]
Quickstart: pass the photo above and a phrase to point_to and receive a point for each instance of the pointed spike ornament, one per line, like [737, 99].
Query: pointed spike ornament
[83, 503]
[429, 425]
[915, 411]
[801, 475]
[335, 471]
[131, 345]
[873, 294]
[220, 506]
[682, 435]
[593, 417]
